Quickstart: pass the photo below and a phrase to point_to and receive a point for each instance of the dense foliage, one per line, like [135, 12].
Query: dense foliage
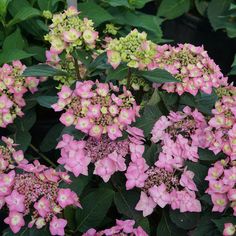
[140, 134]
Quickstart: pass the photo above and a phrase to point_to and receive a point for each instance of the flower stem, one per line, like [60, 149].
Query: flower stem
[77, 69]
[128, 78]
[42, 155]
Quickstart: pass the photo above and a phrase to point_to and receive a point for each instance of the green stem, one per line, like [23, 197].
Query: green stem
[43, 156]
[77, 69]
[128, 78]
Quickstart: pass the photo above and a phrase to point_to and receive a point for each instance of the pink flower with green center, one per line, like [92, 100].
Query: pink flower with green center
[15, 220]
[57, 226]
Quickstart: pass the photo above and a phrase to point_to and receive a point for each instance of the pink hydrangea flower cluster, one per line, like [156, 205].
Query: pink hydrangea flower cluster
[122, 227]
[97, 108]
[12, 88]
[229, 229]
[9, 156]
[221, 133]
[108, 156]
[180, 135]
[222, 182]
[191, 65]
[161, 188]
[69, 32]
[35, 192]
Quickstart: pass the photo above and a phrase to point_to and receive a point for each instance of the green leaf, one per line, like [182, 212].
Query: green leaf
[184, 220]
[206, 227]
[51, 139]
[200, 173]
[150, 115]
[118, 74]
[3, 7]
[78, 135]
[206, 102]
[24, 13]
[13, 54]
[42, 70]
[13, 41]
[215, 9]
[101, 59]
[220, 222]
[117, 3]
[167, 228]
[39, 53]
[23, 138]
[95, 207]
[126, 201]
[47, 101]
[155, 98]
[201, 6]
[26, 122]
[171, 10]
[138, 3]
[207, 155]
[83, 56]
[169, 99]
[94, 12]
[157, 76]
[151, 154]
[78, 184]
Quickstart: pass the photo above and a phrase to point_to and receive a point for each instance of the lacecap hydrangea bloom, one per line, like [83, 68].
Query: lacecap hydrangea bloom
[34, 191]
[161, 187]
[108, 156]
[134, 50]
[68, 32]
[221, 133]
[180, 135]
[97, 108]
[222, 183]
[12, 88]
[122, 228]
[191, 65]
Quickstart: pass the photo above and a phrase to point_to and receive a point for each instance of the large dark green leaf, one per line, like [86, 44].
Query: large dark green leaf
[95, 206]
[77, 134]
[23, 13]
[171, 9]
[215, 9]
[94, 12]
[207, 155]
[3, 7]
[206, 227]
[118, 74]
[157, 76]
[150, 115]
[13, 54]
[26, 122]
[51, 139]
[151, 154]
[47, 101]
[220, 222]
[42, 70]
[167, 228]
[13, 41]
[184, 220]
[23, 138]
[126, 201]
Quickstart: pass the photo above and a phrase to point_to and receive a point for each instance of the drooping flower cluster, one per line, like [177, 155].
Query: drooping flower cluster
[97, 108]
[9, 157]
[191, 65]
[221, 133]
[133, 49]
[222, 183]
[12, 88]
[180, 135]
[122, 228]
[35, 192]
[161, 188]
[108, 156]
[69, 32]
